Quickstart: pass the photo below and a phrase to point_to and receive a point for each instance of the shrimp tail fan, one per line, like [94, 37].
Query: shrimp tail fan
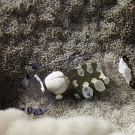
[109, 68]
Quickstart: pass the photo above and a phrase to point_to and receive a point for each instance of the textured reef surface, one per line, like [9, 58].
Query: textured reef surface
[49, 32]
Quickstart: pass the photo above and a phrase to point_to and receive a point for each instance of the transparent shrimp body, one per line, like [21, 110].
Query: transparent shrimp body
[82, 82]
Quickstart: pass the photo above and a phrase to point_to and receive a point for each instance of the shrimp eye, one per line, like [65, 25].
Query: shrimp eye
[125, 59]
[132, 84]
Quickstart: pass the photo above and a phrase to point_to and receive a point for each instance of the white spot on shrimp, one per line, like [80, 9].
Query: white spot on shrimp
[89, 68]
[80, 71]
[86, 90]
[75, 83]
[98, 84]
[77, 96]
[99, 68]
[106, 79]
[59, 97]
